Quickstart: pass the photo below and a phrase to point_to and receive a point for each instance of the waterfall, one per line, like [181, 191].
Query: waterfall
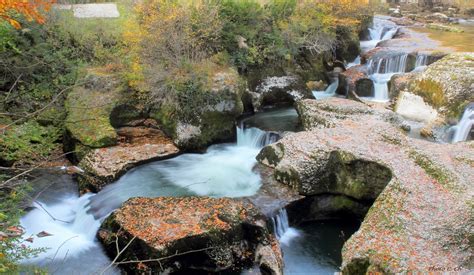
[388, 65]
[381, 71]
[254, 137]
[280, 223]
[421, 60]
[465, 125]
[329, 92]
[381, 29]
[282, 229]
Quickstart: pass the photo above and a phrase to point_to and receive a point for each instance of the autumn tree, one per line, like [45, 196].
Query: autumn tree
[30, 9]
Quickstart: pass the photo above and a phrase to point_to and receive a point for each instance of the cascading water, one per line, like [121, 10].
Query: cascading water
[465, 125]
[282, 228]
[382, 29]
[329, 92]
[225, 170]
[421, 62]
[381, 71]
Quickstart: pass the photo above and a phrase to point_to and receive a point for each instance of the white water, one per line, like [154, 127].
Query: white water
[329, 92]
[462, 130]
[223, 171]
[381, 29]
[421, 62]
[381, 71]
[282, 229]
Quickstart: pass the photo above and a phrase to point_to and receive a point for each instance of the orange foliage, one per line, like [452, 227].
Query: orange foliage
[30, 9]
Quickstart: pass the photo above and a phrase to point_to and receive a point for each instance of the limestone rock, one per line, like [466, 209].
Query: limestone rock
[415, 108]
[448, 84]
[195, 118]
[280, 89]
[189, 233]
[422, 215]
[137, 145]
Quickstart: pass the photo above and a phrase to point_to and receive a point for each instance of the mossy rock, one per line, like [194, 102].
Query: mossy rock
[447, 84]
[200, 107]
[88, 118]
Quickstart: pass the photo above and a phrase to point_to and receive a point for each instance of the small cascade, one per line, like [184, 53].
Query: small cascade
[381, 29]
[421, 60]
[465, 125]
[329, 92]
[254, 137]
[282, 229]
[280, 223]
[381, 71]
[388, 65]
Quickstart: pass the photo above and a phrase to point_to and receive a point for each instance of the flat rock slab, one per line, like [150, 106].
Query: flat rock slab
[213, 233]
[104, 10]
[137, 145]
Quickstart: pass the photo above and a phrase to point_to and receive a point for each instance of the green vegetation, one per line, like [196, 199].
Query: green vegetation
[12, 249]
[431, 91]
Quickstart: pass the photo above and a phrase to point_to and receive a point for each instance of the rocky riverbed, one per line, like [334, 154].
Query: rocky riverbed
[164, 203]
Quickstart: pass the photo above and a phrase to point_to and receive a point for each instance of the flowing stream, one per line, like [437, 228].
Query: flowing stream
[463, 129]
[72, 221]
[225, 170]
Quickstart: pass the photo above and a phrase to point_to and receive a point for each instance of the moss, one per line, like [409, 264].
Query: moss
[433, 170]
[391, 139]
[271, 155]
[431, 91]
[88, 117]
[290, 177]
[28, 142]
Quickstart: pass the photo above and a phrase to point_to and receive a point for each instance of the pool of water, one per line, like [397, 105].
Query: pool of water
[277, 120]
[462, 42]
[315, 247]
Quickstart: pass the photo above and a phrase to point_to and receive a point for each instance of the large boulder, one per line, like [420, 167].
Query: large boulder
[201, 109]
[448, 84]
[276, 90]
[355, 82]
[189, 233]
[92, 112]
[136, 145]
[422, 215]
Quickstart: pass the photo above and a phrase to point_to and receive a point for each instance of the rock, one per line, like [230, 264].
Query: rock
[353, 80]
[88, 110]
[413, 107]
[448, 84]
[422, 214]
[269, 258]
[197, 117]
[316, 85]
[364, 87]
[399, 83]
[395, 12]
[94, 109]
[280, 89]
[445, 28]
[137, 145]
[190, 233]
[438, 17]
